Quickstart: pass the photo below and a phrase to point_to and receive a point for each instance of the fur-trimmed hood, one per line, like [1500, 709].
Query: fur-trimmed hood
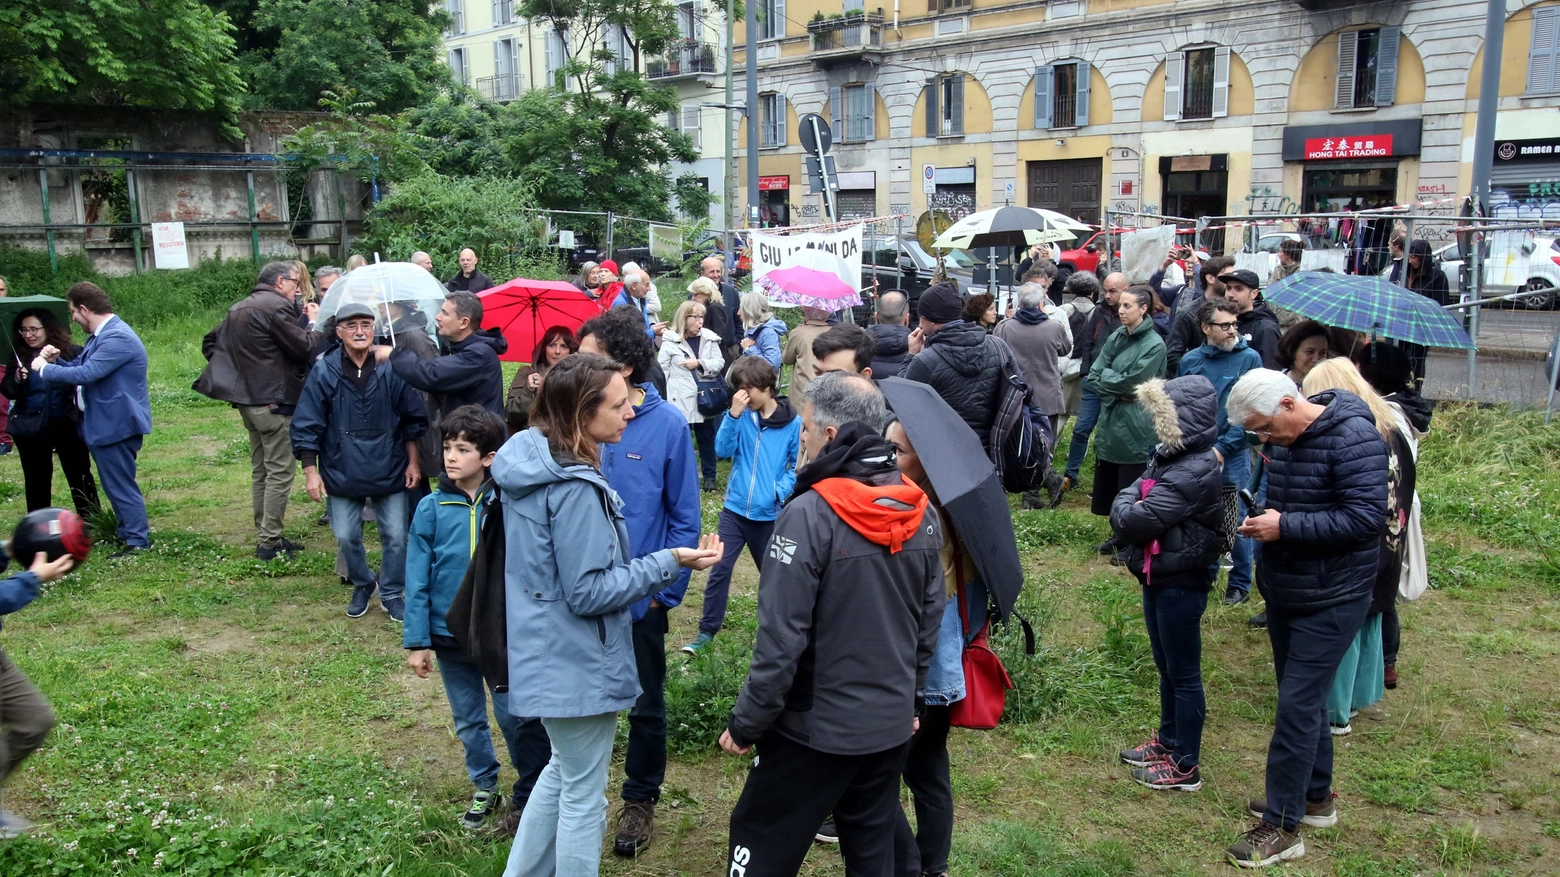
[1185, 413]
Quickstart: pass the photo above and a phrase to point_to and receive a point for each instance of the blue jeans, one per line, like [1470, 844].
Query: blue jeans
[1083, 426]
[346, 522]
[1174, 620]
[1307, 650]
[116, 469]
[562, 826]
[1237, 472]
[525, 738]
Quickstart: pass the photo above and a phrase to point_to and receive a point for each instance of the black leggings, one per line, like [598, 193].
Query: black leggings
[927, 774]
[60, 436]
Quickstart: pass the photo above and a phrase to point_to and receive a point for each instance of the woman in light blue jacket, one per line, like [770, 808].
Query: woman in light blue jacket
[569, 584]
[761, 330]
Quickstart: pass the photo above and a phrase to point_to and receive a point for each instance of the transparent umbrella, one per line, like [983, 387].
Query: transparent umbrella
[382, 284]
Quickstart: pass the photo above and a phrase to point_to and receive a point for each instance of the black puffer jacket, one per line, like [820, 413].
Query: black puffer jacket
[1259, 326]
[1183, 510]
[469, 374]
[890, 350]
[1330, 486]
[964, 365]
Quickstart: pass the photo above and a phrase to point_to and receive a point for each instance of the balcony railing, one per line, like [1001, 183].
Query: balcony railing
[505, 86]
[1197, 104]
[1064, 110]
[688, 58]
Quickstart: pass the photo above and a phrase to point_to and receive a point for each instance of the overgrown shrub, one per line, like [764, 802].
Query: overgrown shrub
[144, 300]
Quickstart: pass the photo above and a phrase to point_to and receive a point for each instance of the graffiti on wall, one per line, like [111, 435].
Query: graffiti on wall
[1264, 200]
[955, 205]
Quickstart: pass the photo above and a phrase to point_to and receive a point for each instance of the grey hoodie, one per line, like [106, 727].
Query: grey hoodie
[568, 584]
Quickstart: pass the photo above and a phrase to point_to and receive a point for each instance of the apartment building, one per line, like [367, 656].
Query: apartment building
[1187, 108]
[493, 49]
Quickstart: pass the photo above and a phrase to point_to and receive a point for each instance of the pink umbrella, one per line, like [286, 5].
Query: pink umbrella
[811, 279]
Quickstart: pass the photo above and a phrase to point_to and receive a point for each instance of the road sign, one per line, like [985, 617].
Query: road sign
[816, 176]
[816, 137]
[928, 178]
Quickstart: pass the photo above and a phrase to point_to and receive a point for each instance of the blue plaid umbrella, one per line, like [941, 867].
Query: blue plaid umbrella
[1368, 304]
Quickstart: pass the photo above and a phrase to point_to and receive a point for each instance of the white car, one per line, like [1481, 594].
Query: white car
[1543, 279]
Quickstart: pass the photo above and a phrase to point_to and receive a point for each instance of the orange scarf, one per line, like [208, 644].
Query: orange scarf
[857, 505]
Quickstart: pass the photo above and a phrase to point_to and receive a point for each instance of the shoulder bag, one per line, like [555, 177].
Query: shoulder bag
[986, 681]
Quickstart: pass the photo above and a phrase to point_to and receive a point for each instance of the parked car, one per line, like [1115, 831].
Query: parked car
[706, 244]
[585, 250]
[1543, 277]
[1270, 242]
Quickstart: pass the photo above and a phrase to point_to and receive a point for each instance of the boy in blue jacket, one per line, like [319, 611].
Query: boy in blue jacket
[654, 471]
[25, 717]
[443, 537]
[762, 435]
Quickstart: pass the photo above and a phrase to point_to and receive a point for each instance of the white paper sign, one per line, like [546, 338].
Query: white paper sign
[565, 239]
[168, 247]
[1143, 250]
[770, 250]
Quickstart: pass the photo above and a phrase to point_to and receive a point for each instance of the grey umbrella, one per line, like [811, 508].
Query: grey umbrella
[966, 483]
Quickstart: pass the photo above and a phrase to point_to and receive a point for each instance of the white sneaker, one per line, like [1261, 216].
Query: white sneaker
[1341, 730]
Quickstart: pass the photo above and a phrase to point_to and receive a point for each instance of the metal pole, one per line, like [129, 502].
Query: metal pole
[341, 209]
[43, 186]
[254, 230]
[609, 236]
[751, 27]
[1489, 100]
[135, 217]
[730, 209]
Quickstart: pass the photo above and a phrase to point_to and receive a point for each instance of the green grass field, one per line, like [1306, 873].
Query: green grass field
[221, 716]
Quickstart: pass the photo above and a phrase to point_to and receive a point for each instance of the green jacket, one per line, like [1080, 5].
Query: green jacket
[1124, 433]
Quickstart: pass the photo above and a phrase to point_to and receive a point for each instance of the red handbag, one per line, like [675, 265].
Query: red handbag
[986, 681]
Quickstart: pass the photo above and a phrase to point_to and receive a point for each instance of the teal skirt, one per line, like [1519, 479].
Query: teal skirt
[1359, 680]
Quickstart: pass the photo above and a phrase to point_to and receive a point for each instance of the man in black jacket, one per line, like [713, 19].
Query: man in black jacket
[1327, 508]
[470, 373]
[890, 335]
[1257, 322]
[469, 279]
[257, 359]
[850, 603]
[957, 358]
[714, 268]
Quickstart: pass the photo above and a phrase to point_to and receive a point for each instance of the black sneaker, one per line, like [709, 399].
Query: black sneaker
[708, 486]
[128, 551]
[395, 606]
[1259, 621]
[359, 603]
[1119, 558]
[484, 804]
[827, 833]
[636, 822]
[1235, 596]
[289, 545]
[1109, 546]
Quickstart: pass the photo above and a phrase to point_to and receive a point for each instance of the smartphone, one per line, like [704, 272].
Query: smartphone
[1253, 510]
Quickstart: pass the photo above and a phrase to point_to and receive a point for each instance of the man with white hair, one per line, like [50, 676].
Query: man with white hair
[636, 286]
[652, 295]
[1321, 534]
[422, 260]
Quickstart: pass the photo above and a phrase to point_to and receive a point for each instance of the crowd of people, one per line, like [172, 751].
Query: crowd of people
[573, 502]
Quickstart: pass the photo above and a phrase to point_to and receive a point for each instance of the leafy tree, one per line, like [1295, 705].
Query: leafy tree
[440, 215]
[389, 51]
[356, 140]
[158, 54]
[460, 134]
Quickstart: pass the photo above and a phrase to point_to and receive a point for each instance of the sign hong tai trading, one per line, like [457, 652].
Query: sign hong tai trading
[1363, 146]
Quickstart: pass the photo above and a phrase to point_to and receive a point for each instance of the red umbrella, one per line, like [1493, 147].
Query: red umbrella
[525, 309]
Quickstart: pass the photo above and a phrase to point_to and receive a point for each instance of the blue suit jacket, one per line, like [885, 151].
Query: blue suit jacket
[111, 372]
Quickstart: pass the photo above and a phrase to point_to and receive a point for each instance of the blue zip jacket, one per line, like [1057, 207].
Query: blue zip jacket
[766, 342]
[360, 439]
[653, 470]
[568, 583]
[763, 460]
[438, 550]
[1222, 369]
[626, 299]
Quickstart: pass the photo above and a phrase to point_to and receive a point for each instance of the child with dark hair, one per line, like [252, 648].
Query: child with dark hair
[762, 436]
[438, 549]
[25, 713]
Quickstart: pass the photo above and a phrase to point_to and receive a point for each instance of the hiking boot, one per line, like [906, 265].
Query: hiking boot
[1323, 815]
[12, 825]
[289, 545]
[1265, 845]
[1109, 546]
[708, 486]
[1067, 483]
[827, 833]
[1056, 488]
[395, 607]
[635, 822]
[510, 824]
[359, 602]
[484, 804]
[1119, 558]
[1259, 621]
[699, 644]
[1031, 501]
[1149, 752]
[1164, 776]
[1389, 676]
[268, 553]
[1235, 596]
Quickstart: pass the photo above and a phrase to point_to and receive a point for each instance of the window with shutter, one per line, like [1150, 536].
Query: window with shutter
[1544, 52]
[1081, 102]
[692, 126]
[1064, 95]
[951, 121]
[780, 119]
[856, 113]
[837, 112]
[1348, 45]
[1221, 82]
[932, 113]
[1197, 86]
[868, 112]
[1387, 42]
[1175, 73]
[1043, 76]
[457, 12]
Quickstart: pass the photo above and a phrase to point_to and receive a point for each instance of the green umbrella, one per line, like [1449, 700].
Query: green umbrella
[10, 307]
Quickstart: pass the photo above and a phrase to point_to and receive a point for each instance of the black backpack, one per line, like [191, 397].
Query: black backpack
[1021, 440]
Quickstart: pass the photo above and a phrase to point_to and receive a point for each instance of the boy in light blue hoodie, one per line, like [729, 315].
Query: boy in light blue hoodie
[439, 547]
[762, 435]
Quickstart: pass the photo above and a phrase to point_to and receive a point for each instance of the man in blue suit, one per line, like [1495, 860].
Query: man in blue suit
[110, 375]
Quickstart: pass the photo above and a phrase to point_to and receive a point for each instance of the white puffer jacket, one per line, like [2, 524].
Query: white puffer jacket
[681, 388]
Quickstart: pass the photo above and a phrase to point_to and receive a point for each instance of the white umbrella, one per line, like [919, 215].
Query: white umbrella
[1007, 227]
[380, 284]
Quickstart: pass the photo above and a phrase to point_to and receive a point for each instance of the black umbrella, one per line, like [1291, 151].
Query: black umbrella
[966, 484]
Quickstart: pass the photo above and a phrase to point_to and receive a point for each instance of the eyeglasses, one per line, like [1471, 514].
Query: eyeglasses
[28, 330]
[292, 280]
[1224, 327]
